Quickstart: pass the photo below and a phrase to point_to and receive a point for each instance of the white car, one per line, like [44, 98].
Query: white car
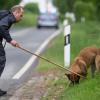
[48, 19]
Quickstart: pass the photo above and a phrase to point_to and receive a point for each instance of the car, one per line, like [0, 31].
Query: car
[48, 19]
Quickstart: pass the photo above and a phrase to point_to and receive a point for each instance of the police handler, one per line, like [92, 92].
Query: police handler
[14, 16]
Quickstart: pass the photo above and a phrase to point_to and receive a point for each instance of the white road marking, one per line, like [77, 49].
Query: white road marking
[33, 58]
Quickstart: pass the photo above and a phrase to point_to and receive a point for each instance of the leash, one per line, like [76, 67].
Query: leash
[60, 66]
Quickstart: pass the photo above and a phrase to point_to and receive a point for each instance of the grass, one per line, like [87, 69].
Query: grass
[88, 90]
[82, 35]
[54, 53]
[29, 20]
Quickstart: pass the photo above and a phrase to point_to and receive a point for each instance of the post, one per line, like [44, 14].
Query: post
[67, 30]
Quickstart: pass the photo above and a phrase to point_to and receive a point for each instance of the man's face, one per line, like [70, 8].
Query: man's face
[18, 15]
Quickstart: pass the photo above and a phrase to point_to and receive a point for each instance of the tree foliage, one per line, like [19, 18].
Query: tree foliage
[61, 4]
[84, 10]
[31, 7]
[90, 8]
[7, 4]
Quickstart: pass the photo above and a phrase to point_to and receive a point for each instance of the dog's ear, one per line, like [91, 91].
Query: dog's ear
[82, 62]
[68, 75]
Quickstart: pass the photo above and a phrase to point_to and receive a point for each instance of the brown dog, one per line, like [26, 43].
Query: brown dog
[88, 57]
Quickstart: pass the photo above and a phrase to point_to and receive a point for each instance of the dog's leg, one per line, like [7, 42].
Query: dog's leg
[97, 62]
[92, 70]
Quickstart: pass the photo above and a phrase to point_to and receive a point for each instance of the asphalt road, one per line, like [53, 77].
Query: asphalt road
[29, 38]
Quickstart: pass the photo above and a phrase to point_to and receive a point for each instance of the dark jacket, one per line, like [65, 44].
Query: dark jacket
[5, 24]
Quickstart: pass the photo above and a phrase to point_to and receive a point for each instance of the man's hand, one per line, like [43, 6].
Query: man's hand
[14, 43]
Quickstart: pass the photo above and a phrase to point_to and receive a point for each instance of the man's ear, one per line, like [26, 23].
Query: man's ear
[68, 75]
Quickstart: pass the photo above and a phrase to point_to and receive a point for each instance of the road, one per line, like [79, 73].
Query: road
[29, 38]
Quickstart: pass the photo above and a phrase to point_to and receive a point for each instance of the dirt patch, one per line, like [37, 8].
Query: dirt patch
[37, 87]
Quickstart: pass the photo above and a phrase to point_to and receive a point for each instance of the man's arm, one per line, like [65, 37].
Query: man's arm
[5, 34]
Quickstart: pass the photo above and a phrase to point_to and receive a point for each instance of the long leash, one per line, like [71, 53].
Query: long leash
[60, 66]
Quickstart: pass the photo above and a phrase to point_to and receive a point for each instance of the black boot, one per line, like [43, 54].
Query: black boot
[2, 93]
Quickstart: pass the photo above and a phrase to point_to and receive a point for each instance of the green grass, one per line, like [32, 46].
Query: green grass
[87, 90]
[82, 35]
[29, 20]
[54, 52]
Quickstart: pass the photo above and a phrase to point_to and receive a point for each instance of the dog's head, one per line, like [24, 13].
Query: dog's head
[73, 78]
[78, 66]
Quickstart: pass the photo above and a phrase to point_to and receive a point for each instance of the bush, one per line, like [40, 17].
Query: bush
[84, 10]
[98, 11]
[33, 8]
[8, 4]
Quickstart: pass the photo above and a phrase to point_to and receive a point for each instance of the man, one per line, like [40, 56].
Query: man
[14, 16]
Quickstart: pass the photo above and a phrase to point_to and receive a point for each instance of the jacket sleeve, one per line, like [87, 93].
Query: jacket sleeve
[5, 34]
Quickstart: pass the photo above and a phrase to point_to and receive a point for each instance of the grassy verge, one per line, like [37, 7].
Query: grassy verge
[29, 20]
[82, 35]
[54, 52]
[87, 90]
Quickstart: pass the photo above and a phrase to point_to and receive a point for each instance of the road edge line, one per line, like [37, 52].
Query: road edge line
[33, 58]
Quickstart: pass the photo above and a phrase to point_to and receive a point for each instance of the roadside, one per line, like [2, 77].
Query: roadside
[82, 35]
[38, 86]
[42, 80]
[51, 83]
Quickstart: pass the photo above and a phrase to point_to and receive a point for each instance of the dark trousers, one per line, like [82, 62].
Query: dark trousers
[2, 59]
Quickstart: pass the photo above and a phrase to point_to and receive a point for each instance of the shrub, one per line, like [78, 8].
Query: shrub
[98, 11]
[8, 4]
[30, 7]
[84, 10]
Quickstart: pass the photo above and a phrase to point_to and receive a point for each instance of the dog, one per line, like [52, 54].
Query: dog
[88, 57]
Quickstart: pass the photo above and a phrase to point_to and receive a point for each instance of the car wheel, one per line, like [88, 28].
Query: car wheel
[38, 26]
[56, 26]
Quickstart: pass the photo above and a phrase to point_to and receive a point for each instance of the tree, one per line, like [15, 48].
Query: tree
[61, 4]
[70, 4]
[84, 10]
[88, 8]
[8, 3]
[62, 7]
[31, 7]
